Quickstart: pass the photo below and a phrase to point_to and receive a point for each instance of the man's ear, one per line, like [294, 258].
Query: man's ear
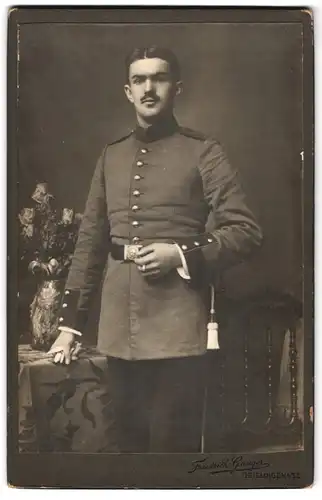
[128, 92]
[179, 87]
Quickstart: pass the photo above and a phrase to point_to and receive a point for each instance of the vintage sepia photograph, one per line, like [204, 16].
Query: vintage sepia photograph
[162, 229]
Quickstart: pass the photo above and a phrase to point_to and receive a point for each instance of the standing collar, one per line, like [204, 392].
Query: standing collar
[157, 131]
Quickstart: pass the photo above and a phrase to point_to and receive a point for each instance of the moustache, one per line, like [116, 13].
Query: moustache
[149, 98]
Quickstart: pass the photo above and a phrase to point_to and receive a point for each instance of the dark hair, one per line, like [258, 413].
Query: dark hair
[149, 53]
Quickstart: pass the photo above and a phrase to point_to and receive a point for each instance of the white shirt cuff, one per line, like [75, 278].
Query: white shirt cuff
[69, 330]
[183, 270]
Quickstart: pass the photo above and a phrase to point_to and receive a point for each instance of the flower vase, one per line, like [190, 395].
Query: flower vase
[44, 311]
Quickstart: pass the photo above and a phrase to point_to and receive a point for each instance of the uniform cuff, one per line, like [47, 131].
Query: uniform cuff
[196, 243]
[193, 248]
[69, 309]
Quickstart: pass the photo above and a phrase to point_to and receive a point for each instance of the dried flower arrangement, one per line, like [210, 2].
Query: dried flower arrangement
[47, 241]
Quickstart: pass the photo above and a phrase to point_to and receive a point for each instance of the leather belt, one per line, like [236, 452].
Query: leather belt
[126, 253]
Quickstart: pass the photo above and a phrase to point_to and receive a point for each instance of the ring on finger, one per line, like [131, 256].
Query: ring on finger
[143, 268]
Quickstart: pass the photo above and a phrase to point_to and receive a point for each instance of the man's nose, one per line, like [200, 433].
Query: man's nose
[148, 85]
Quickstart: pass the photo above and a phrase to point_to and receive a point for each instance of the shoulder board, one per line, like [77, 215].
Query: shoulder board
[188, 132]
[120, 139]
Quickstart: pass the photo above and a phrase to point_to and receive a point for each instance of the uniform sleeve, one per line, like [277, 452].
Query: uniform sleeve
[236, 234]
[90, 256]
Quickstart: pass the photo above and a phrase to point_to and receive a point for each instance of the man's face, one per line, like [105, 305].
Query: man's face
[151, 87]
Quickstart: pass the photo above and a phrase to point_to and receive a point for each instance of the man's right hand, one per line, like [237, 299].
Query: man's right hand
[62, 348]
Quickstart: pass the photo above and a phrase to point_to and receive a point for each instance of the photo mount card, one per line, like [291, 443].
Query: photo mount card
[172, 106]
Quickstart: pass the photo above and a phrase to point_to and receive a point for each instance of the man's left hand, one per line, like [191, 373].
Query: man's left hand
[157, 259]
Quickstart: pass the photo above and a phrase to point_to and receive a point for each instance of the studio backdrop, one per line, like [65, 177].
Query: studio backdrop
[242, 85]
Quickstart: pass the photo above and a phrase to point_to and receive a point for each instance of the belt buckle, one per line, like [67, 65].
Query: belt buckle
[132, 251]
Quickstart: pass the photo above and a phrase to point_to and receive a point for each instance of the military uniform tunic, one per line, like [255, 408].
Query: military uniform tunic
[157, 185]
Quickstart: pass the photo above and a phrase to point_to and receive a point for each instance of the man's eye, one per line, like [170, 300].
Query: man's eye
[137, 81]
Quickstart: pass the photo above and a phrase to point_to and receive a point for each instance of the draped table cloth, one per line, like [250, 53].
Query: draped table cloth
[68, 408]
[64, 408]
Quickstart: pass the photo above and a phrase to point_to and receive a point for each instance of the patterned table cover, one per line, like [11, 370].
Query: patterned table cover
[64, 408]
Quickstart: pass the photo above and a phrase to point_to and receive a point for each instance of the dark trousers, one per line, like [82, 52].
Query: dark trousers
[158, 404]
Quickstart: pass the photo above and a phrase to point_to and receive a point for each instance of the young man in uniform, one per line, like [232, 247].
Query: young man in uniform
[143, 235]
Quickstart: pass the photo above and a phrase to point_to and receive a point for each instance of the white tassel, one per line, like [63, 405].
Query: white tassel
[212, 342]
[212, 327]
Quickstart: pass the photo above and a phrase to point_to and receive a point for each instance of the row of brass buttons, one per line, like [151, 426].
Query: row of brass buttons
[196, 244]
[137, 194]
[67, 292]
